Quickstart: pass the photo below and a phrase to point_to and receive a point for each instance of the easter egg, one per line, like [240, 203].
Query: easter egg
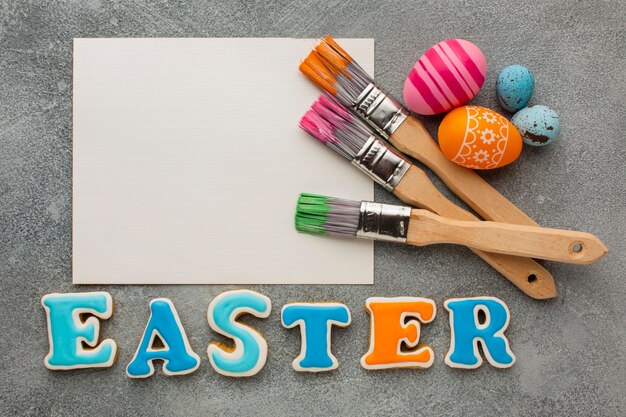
[479, 138]
[538, 125]
[515, 87]
[448, 75]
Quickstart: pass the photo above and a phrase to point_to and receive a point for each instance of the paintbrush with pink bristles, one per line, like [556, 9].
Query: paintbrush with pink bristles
[337, 128]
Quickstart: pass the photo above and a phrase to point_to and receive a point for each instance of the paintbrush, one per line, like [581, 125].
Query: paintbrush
[334, 126]
[322, 215]
[334, 71]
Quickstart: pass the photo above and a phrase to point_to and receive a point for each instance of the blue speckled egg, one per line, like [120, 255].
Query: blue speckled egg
[538, 125]
[515, 87]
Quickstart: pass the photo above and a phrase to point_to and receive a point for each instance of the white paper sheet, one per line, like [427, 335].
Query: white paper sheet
[188, 161]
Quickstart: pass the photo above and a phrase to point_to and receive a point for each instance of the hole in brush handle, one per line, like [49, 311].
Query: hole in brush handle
[576, 250]
[576, 247]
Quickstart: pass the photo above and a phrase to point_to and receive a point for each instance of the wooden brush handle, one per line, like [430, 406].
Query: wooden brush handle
[412, 138]
[427, 228]
[533, 279]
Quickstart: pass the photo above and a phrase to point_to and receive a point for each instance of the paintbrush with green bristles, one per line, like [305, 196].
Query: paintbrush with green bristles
[320, 215]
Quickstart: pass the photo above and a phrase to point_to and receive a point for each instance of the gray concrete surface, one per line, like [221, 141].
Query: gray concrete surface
[570, 351]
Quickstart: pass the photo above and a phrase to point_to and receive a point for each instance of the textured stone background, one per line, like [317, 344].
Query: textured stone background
[570, 351]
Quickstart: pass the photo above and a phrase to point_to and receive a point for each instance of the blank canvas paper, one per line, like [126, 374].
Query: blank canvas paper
[188, 161]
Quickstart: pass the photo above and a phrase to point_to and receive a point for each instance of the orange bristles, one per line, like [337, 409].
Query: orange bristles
[335, 62]
[315, 70]
[330, 41]
[332, 54]
[324, 63]
[334, 71]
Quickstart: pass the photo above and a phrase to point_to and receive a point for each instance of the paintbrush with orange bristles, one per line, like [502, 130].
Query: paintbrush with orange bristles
[337, 128]
[334, 71]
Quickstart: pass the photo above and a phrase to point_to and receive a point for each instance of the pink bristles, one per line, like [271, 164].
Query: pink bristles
[332, 124]
[317, 127]
[331, 110]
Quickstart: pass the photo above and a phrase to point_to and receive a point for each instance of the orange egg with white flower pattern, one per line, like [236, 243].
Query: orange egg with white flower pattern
[479, 138]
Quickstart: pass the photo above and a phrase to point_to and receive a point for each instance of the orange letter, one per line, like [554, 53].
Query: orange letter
[393, 321]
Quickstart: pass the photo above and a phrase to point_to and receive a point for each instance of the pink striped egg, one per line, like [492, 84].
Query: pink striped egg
[448, 75]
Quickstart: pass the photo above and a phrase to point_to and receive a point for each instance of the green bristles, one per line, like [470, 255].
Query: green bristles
[320, 215]
[311, 213]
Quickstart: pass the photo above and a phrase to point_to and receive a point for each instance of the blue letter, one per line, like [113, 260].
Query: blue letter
[67, 330]
[177, 355]
[250, 351]
[315, 321]
[467, 332]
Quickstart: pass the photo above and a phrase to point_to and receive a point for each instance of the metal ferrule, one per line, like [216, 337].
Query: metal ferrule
[381, 163]
[380, 111]
[383, 222]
